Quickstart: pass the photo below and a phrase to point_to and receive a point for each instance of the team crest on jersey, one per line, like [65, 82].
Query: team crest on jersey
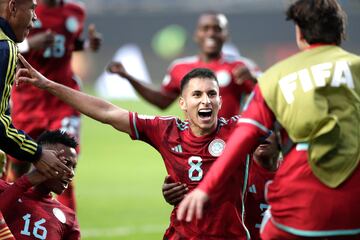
[59, 215]
[223, 77]
[216, 147]
[72, 24]
[37, 23]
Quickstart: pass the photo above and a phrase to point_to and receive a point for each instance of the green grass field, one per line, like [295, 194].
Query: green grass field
[118, 182]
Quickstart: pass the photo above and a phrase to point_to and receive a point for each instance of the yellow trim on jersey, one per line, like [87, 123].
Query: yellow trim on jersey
[5, 96]
[5, 233]
[20, 139]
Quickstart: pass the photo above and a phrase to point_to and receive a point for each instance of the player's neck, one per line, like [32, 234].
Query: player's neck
[265, 162]
[209, 57]
[198, 132]
[43, 190]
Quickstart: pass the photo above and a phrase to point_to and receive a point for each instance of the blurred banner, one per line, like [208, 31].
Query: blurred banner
[112, 86]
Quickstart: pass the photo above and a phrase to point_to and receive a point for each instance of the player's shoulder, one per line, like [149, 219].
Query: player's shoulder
[4, 47]
[174, 122]
[3, 184]
[184, 61]
[230, 122]
[280, 67]
[232, 58]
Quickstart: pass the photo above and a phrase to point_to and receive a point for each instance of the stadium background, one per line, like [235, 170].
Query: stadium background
[118, 180]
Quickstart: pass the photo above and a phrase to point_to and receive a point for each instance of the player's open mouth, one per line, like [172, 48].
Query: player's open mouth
[264, 144]
[65, 184]
[210, 42]
[205, 113]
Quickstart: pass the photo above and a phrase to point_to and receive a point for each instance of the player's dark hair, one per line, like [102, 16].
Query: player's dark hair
[320, 21]
[197, 73]
[55, 137]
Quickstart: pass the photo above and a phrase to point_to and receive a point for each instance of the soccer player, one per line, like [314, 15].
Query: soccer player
[233, 73]
[188, 148]
[262, 167]
[16, 19]
[56, 35]
[264, 163]
[315, 96]
[32, 213]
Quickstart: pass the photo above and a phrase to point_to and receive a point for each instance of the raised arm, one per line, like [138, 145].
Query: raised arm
[147, 91]
[91, 106]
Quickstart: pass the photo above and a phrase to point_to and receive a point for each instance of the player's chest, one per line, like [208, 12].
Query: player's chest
[191, 160]
[65, 24]
[31, 220]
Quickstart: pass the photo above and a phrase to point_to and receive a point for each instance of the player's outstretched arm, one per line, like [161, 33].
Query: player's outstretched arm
[91, 106]
[152, 95]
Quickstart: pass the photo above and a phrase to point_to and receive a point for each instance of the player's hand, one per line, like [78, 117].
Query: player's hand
[51, 165]
[117, 68]
[94, 38]
[173, 192]
[192, 204]
[41, 40]
[27, 74]
[35, 177]
[242, 73]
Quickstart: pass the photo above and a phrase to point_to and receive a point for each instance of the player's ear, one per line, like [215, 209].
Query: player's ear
[12, 7]
[182, 104]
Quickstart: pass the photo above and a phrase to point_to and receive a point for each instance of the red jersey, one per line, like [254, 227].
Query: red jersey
[231, 93]
[255, 202]
[66, 21]
[300, 203]
[33, 215]
[187, 159]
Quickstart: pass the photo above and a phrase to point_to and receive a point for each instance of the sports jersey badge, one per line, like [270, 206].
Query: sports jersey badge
[59, 215]
[72, 24]
[216, 147]
[223, 77]
[37, 24]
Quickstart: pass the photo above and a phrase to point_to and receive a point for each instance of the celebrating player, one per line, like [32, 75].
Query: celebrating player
[50, 45]
[188, 148]
[315, 96]
[16, 19]
[34, 213]
[233, 73]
